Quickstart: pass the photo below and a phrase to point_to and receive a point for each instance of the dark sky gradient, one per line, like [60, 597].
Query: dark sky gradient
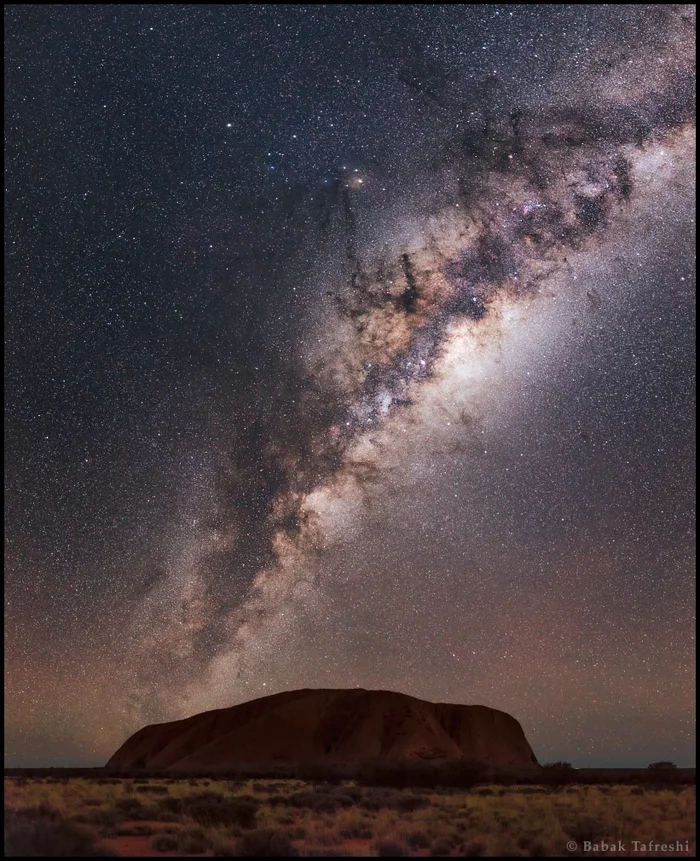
[350, 346]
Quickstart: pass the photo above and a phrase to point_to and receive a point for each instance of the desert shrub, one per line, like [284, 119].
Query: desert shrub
[286, 820]
[158, 814]
[42, 832]
[356, 832]
[193, 842]
[662, 766]
[441, 846]
[266, 843]
[128, 805]
[139, 780]
[136, 831]
[328, 838]
[153, 788]
[172, 804]
[586, 828]
[164, 842]
[319, 802]
[210, 808]
[102, 817]
[405, 803]
[380, 799]
[206, 795]
[417, 839]
[389, 849]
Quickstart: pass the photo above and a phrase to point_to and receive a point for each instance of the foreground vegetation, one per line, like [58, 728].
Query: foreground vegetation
[47, 816]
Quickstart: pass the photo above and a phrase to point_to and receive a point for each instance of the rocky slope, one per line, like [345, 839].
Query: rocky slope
[328, 727]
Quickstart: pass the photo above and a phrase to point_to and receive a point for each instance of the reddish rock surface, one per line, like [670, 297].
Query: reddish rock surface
[330, 727]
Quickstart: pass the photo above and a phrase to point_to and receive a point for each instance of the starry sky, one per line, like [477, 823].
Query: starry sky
[350, 346]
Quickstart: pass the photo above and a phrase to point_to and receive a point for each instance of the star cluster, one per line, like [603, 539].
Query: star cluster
[350, 346]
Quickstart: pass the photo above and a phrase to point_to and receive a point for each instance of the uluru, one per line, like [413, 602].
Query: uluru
[331, 728]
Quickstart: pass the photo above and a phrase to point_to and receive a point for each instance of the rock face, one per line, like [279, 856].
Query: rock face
[329, 727]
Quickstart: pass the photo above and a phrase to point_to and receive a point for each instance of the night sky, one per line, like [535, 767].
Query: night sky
[350, 346]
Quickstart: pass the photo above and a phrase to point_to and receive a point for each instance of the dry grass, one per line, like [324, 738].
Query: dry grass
[191, 817]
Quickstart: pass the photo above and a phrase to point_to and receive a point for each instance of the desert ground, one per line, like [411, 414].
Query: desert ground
[167, 817]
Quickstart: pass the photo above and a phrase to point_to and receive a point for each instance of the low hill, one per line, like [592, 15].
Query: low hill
[329, 728]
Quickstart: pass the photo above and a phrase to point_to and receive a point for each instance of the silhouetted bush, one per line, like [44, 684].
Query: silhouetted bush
[558, 774]
[266, 843]
[42, 832]
[662, 766]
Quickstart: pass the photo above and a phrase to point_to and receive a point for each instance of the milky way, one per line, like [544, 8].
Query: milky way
[451, 450]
